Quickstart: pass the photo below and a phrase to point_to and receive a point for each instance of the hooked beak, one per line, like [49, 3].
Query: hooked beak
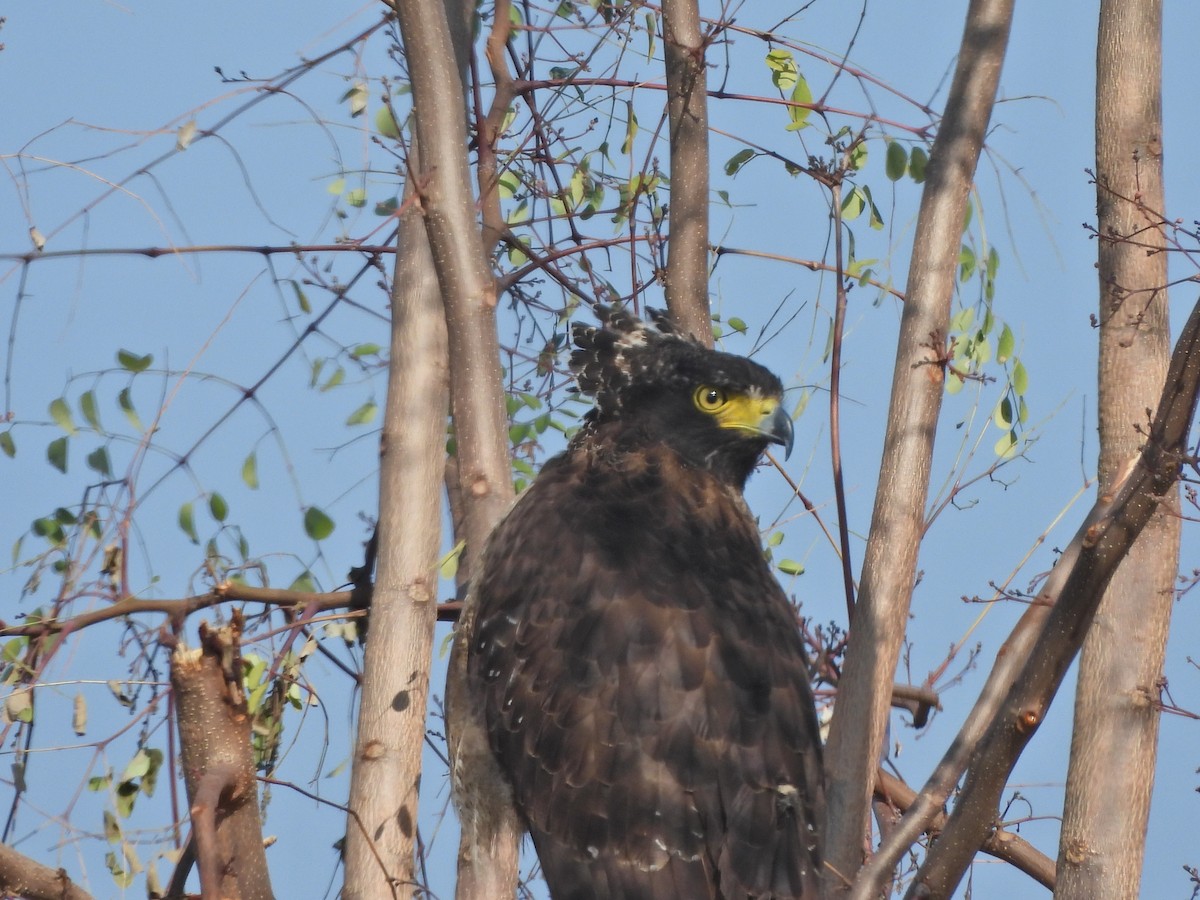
[779, 430]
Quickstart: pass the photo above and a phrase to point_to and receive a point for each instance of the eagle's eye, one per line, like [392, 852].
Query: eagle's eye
[709, 399]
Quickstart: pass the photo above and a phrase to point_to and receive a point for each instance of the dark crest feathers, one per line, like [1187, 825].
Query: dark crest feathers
[621, 350]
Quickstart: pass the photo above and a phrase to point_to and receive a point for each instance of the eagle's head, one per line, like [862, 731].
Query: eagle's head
[717, 410]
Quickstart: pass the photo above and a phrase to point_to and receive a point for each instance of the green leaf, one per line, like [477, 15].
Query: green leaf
[364, 415]
[7, 444]
[577, 188]
[112, 828]
[334, 380]
[127, 792]
[134, 363]
[801, 94]
[187, 521]
[631, 128]
[317, 525]
[18, 706]
[91, 412]
[118, 691]
[126, 403]
[138, 766]
[336, 186]
[1003, 415]
[783, 69]
[790, 567]
[448, 565]
[48, 528]
[304, 582]
[737, 324]
[61, 414]
[981, 351]
[97, 460]
[858, 156]
[1020, 378]
[385, 122]
[918, 160]
[365, 350]
[185, 134]
[357, 98]
[250, 471]
[1006, 447]
[1004, 347]
[853, 204]
[56, 452]
[99, 783]
[507, 184]
[966, 263]
[896, 161]
[387, 207]
[737, 161]
[122, 878]
[962, 320]
[301, 297]
[217, 506]
[357, 198]
[255, 698]
[876, 219]
[150, 779]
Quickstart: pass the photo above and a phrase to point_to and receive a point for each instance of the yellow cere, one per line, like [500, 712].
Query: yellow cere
[745, 411]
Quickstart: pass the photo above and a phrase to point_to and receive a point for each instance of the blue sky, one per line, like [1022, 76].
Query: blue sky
[106, 87]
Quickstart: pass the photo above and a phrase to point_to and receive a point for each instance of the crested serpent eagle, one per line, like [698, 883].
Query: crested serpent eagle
[637, 669]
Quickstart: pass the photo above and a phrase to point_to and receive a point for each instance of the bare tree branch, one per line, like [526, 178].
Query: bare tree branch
[856, 735]
[1103, 542]
[1002, 844]
[20, 876]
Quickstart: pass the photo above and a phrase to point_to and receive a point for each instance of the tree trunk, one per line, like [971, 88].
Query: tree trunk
[889, 566]
[687, 108]
[391, 720]
[1115, 739]
[218, 765]
[489, 847]
[384, 788]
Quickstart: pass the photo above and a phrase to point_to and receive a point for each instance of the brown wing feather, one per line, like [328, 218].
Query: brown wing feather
[645, 688]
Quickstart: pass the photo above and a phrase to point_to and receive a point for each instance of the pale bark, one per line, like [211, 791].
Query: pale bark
[391, 721]
[878, 625]
[489, 848]
[1115, 739]
[385, 782]
[686, 280]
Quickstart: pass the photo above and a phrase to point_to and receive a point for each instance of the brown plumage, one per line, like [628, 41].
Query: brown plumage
[638, 670]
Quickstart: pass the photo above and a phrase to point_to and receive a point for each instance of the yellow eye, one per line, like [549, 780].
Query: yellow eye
[709, 399]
